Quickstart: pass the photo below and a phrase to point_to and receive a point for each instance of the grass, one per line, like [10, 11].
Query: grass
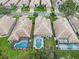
[5, 48]
[73, 54]
[7, 51]
[20, 54]
[49, 43]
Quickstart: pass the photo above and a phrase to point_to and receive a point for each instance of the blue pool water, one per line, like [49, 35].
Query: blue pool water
[38, 42]
[21, 45]
[68, 46]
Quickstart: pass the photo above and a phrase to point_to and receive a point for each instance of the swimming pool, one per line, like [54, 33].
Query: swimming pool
[38, 42]
[23, 44]
[68, 46]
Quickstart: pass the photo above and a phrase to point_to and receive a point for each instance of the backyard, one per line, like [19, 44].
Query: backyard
[49, 46]
[7, 51]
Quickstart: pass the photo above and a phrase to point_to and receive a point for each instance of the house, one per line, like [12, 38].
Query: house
[19, 37]
[74, 21]
[42, 27]
[3, 1]
[6, 25]
[65, 36]
[64, 31]
[25, 2]
[22, 29]
[34, 3]
[11, 2]
[48, 5]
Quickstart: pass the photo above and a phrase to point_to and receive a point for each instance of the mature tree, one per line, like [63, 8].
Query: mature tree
[4, 57]
[13, 8]
[33, 17]
[77, 8]
[36, 54]
[4, 10]
[25, 8]
[68, 7]
[40, 8]
[0, 52]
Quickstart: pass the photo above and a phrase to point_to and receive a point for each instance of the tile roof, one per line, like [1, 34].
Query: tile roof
[22, 29]
[3, 1]
[26, 2]
[43, 27]
[11, 2]
[6, 23]
[63, 30]
[75, 22]
[33, 3]
[47, 3]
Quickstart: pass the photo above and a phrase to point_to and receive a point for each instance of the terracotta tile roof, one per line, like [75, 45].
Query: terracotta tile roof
[3, 1]
[75, 22]
[47, 3]
[11, 2]
[22, 29]
[26, 2]
[43, 27]
[63, 30]
[6, 23]
[33, 3]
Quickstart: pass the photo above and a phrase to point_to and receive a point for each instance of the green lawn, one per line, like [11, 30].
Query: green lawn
[10, 53]
[73, 54]
[7, 51]
[51, 44]
[17, 54]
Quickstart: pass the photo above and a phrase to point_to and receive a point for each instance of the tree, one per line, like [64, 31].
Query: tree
[4, 10]
[68, 7]
[77, 8]
[53, 17]
[32, 17]
[0, 52]
[13, 8]
[40, 8]
[25, 8]
[4, 57]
